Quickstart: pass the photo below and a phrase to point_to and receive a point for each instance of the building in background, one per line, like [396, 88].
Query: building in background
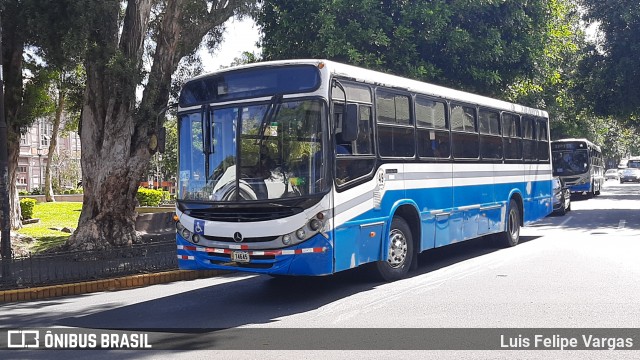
[66, 171]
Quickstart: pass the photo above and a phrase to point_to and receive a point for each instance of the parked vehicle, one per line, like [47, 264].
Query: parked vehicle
[612, 174]
[632, 172]
[630, 175]
[561, 196]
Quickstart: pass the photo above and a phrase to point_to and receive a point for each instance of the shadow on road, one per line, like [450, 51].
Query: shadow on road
[615, 210]
[256, 300]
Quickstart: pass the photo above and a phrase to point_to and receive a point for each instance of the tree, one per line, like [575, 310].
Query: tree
[118, 133]
[480, 46]
[67, 85]
[26, 81]
[169, 164]
[247, 57]
[610, 71]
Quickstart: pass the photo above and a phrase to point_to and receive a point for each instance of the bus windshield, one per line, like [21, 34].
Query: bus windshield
[253, 152]
[570, 162]
[635, 164]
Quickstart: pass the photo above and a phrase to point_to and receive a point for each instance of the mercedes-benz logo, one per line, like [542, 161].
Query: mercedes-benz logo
[237, 237]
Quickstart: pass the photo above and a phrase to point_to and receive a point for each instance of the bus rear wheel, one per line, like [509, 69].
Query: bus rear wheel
[511, 235]
[400, 252]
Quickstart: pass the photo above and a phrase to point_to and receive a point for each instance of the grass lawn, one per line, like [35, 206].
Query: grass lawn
[51, 215]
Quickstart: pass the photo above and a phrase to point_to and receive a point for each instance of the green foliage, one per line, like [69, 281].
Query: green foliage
[37, 101]
[26, 207]
[245, 58]
[169, 163]
[610, 71]
[166, 197]
[149, 197]
[480, 46]
[548, 84]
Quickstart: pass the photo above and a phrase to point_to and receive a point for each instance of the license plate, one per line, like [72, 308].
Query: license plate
[240, 256]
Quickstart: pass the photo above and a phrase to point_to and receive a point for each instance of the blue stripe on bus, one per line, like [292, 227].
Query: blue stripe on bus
[580, 188]
[357, 244]
[362, 239]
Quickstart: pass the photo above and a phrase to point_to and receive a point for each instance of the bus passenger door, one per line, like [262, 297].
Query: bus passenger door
[358, 224]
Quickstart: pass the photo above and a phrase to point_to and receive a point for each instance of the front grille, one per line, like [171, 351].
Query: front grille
[245, 240]
[227, 214]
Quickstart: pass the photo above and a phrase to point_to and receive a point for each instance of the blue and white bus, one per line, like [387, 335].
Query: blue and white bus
[311, 167]
[580, 164]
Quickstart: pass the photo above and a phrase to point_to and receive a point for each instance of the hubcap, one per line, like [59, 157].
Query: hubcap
[398, 248]
[514, 226]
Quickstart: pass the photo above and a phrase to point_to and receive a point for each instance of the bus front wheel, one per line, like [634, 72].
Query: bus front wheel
[511, 235]
[400, 252]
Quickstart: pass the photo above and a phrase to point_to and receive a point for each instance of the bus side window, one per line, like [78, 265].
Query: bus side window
[338, 120]
[511, 136]
[363, 144]
[355, 159]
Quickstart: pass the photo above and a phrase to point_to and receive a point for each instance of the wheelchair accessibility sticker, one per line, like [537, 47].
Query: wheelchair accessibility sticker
[198, 227]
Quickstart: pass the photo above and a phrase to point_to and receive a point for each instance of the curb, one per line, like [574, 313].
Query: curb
[119, 283]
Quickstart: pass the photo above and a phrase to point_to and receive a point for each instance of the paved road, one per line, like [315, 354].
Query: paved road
[580, 270]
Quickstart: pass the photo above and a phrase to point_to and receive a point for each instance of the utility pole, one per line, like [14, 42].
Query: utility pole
[5, 225]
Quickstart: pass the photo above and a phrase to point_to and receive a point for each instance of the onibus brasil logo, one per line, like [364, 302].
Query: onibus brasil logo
[69, 339]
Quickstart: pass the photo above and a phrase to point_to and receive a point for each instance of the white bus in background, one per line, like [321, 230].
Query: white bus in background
[580, 164]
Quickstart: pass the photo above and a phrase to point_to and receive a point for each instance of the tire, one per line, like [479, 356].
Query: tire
[563, 209]
[400, 252]
[511, 235]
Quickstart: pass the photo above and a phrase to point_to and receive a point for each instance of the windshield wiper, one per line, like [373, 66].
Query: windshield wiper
[274, 104]
[206, 139]
[272, 110]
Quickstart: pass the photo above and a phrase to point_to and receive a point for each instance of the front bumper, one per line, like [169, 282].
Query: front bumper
[311, 257]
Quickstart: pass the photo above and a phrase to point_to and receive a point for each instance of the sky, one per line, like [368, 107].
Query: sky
[240, 36]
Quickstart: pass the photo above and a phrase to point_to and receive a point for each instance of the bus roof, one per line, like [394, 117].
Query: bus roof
[587, 141]
[383, 79]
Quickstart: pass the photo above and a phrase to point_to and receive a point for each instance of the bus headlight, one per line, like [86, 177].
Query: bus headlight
[186, 233]
[286, 239]
[310, 229]
[315, 224]
[195, 238]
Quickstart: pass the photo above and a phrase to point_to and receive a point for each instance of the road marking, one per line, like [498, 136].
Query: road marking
[621, 224]
[566, 221]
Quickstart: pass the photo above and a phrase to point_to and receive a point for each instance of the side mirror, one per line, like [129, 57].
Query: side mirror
[350, 123]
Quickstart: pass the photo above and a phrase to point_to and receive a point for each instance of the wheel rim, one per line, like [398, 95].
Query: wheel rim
[398, 248]
[514, 225]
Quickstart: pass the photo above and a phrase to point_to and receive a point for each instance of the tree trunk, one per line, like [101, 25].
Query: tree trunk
[14, 199]
[115, 135]
[53, 142]
[13, 50]
[111, 167]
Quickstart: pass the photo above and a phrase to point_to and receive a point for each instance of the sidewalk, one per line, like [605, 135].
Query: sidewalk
[119, 283]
